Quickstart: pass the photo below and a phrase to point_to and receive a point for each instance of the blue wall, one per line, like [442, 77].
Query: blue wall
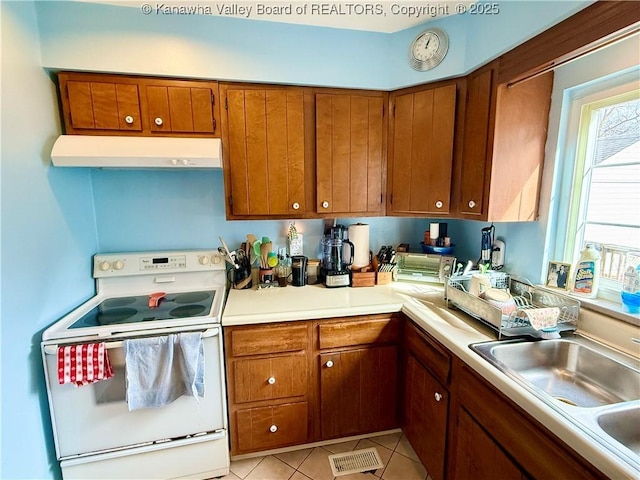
[53, 220]
[48, 235]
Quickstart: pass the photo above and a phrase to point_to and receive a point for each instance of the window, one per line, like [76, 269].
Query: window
[605, 198]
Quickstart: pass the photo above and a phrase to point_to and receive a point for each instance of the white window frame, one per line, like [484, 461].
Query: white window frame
[582, 101]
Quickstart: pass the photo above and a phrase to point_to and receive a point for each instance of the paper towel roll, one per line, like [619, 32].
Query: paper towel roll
[359, 236]
[434, 231]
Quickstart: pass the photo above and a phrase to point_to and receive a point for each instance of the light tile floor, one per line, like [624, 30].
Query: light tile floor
[400, 462]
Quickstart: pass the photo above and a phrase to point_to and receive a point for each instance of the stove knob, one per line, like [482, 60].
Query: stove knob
[104, 266]
[204, 260]
[119, 265]
[215, 259]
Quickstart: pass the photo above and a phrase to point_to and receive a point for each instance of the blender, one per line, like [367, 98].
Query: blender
[334, 269]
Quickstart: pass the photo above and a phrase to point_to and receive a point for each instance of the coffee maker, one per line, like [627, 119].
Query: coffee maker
[334, 268]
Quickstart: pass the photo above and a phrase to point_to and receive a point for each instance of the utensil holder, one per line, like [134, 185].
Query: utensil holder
[265, 275]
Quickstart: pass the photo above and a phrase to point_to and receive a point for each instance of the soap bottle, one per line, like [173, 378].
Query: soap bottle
[586, 276]
[631, 283]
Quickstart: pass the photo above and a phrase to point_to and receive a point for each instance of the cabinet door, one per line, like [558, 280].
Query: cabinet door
[426, 408]
[349, 153]
[105, 105]
[473, 172]
[180, 109]
[421, 152]
[358, 391]
[266, 150]
[478, 456]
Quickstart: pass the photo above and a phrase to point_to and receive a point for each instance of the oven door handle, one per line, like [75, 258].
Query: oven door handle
[53, 349]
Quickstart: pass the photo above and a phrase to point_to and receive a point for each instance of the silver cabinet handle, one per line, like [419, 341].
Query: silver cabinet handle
[329, 364]
[437, 396]
[128, 119]
[271, 380]
[273, 428]
[472, 204]
[158, 121]
[325, 204]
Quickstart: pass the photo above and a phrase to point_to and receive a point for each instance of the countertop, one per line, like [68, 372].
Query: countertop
[425, 305]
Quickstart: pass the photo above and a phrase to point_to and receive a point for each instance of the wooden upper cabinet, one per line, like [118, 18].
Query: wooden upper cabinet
[421, 151]
[104, 104]
[181, 108]
[99, 104]
[473, 171]
[350, 153]
[503, 148]
[264, 151]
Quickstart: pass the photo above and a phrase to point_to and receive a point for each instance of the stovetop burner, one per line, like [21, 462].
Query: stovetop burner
[136, 309]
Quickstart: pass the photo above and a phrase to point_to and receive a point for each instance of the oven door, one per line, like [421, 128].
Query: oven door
[95, 418]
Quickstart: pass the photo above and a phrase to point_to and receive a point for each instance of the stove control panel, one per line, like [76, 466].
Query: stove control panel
[141, 263]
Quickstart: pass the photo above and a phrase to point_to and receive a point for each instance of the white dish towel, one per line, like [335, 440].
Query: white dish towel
[161, 369]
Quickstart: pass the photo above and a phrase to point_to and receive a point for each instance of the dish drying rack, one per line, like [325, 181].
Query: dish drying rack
[525, 295]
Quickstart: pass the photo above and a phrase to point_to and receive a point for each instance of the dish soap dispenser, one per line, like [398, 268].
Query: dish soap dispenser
[586, 277]
[631, 283]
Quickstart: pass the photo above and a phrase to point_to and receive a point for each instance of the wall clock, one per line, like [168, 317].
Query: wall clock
[428, 49]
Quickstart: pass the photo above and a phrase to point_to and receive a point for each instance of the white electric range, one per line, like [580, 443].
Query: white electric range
[142, 294]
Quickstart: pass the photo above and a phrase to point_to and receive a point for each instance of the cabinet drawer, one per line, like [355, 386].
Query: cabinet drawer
[270, 378]
[359, 331]
[269, 339]
[271, 427]
[428, 352]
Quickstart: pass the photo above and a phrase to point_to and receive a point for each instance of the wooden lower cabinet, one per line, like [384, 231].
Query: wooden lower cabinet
[492, 437]
[425, 400]
[358, 391]
[425, 415]
[293, 383]
[269, 387]
[478, 456]
[357, 358]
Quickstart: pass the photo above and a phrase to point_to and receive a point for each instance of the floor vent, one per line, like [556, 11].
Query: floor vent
[366, 460]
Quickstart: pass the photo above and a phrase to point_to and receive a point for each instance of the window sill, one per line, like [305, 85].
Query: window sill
[609, 308]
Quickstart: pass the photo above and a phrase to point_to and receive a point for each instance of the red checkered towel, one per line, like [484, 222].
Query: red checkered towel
[83, 364]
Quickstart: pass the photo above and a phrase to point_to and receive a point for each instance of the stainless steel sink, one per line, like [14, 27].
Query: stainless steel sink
[623, 426]
[593, 386]
[568, 371]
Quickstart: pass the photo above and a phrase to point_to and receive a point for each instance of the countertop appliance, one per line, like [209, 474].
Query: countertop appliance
[424, 267]
[334, 269]
[95, 434]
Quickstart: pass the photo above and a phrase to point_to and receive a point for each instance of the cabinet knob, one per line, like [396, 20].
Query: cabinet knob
[158, 121]
[273, 428]
[439, 204]
[296, 205]
[329, 364]
[128, 119]
[325, 204]
[472, 204]
[271, 380]
[437, 396]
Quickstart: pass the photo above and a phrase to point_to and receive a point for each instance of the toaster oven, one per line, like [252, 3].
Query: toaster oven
[424, 267]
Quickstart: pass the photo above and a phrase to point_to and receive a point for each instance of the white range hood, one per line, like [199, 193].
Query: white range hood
[136, 152]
